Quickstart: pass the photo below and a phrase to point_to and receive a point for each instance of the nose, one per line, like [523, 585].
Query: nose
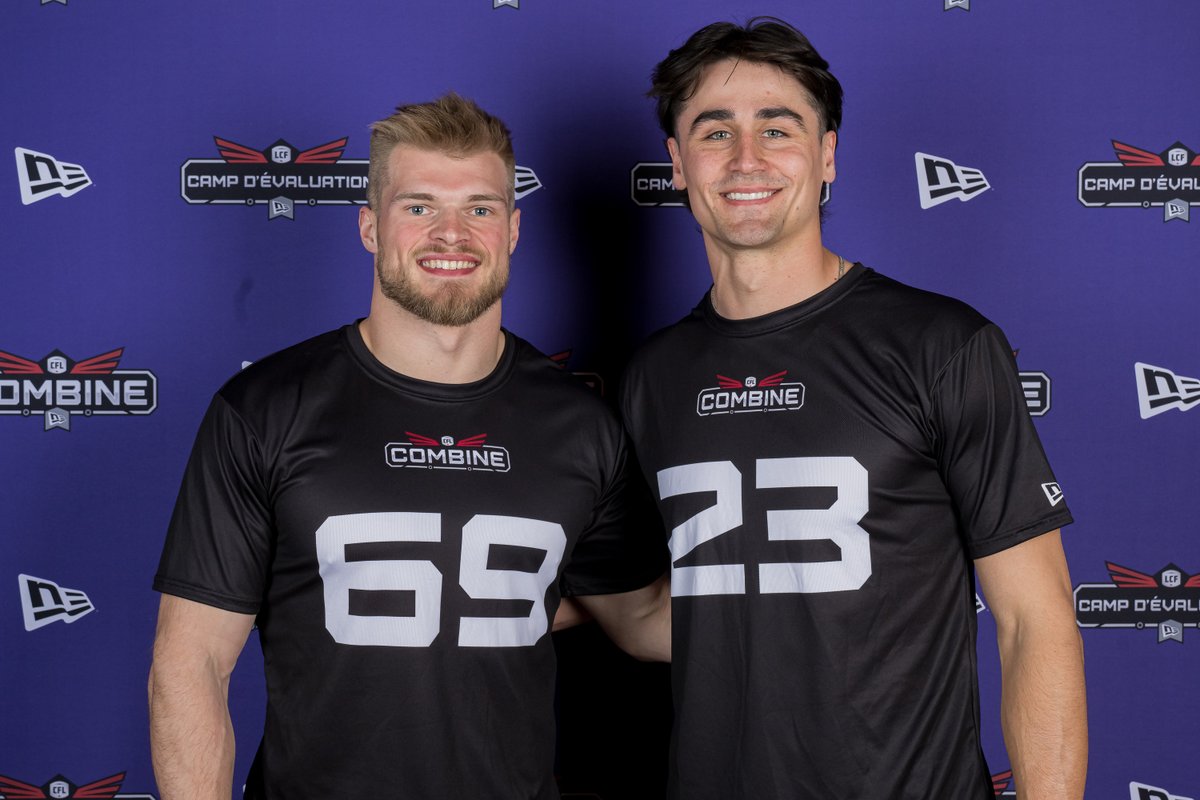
[449, 228]
[747, 154]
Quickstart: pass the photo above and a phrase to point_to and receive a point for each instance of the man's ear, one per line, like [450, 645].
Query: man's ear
[676, 164]
[367, 228]
[828, 150]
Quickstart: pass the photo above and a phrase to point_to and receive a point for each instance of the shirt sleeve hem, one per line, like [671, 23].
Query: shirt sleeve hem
[1032, 531]
[585, 588]
[205, 596]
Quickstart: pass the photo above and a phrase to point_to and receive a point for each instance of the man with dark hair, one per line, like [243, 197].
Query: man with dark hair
[836, 456]
[399, 505]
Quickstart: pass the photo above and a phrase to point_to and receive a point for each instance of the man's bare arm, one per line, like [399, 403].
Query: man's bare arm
[191, 736]
[1043, 708]
[639, 621]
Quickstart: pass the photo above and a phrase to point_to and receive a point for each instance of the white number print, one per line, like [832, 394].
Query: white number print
[480, 582]
[424, 579]
[838, 523]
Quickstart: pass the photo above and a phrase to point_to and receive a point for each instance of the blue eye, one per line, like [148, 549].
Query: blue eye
[774, 133]
[481, 212]
[418, 211]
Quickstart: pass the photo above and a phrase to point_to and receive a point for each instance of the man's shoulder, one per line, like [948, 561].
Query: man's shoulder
[285, 370]
[547, 376]
[902, 309]
[668, 343]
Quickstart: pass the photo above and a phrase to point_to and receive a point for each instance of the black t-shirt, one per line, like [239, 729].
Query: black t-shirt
[404, 545]
[828, 472]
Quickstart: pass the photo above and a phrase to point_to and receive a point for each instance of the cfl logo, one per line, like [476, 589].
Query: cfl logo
[1177, 157]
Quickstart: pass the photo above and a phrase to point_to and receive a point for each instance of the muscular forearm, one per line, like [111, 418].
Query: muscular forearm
[1044, 711]
[191, 736]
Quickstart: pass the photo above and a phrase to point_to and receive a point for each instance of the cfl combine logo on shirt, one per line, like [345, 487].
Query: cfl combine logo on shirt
[58, 387]
[278, 176]
[61, 787]
[1141, 179]
[1168, 600]
[470, 454]
[1159, 389]
[732, 396]
[1142, 791]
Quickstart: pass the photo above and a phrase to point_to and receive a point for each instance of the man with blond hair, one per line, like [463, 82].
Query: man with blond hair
[399, 506]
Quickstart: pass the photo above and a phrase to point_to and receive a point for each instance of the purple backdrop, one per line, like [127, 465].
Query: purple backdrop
[111, 112]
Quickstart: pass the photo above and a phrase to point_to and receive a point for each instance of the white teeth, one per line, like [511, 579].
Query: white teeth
[748, 195]
[441, 263]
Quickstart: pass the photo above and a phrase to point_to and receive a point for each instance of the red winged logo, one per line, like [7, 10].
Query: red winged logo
[1132, 156]
[235, 153]
[771, 380]
[424, 441]
[102, 364]
[12, 789]
[1000, 782]
[1128, 578]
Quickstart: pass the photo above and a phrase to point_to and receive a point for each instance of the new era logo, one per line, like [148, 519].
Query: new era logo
[43, 176]
[526, 181]
[45, 601]
[1054, 493]
[1176, 209]
[940, 179]
[1160, 389]
[1141, 791]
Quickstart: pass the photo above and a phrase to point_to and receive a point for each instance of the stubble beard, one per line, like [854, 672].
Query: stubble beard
[453, 305]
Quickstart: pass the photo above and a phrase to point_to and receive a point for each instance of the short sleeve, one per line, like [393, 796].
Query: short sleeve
[218, 544]
[623, 547]
[988, 451]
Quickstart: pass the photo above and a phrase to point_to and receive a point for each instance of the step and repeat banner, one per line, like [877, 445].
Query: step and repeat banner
[182, 199]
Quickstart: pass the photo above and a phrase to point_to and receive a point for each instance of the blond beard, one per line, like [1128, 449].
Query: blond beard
[452, 305]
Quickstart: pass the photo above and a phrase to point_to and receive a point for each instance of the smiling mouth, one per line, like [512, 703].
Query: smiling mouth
[748, 195]
[447, 264]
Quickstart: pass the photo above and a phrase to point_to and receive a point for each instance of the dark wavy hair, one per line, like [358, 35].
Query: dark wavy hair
[765, 40]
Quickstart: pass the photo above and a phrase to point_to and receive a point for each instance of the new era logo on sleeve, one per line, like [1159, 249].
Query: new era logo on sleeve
[1054, 493]
[42, 176]
[45, 601]
[940, 179]
[1159, 389]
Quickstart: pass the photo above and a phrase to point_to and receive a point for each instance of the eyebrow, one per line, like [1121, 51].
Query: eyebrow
[725, 115]
[425, 197]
